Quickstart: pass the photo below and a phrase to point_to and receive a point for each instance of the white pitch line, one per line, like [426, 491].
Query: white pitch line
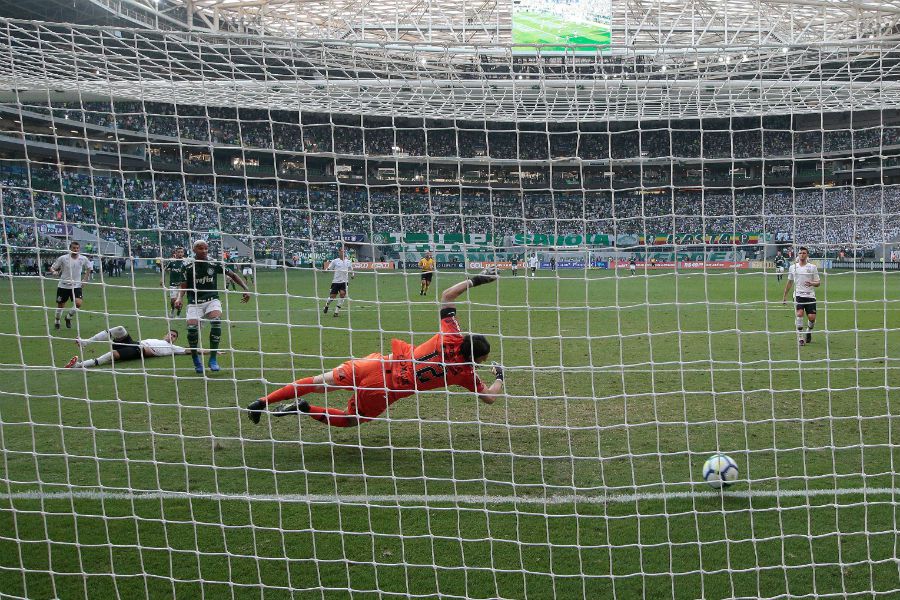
[397, 306]
[603, 369]
[473, 499]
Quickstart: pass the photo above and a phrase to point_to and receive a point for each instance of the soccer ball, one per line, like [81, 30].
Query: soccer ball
[720, 471]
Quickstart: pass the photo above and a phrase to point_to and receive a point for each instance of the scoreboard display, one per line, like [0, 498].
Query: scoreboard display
[563, 22]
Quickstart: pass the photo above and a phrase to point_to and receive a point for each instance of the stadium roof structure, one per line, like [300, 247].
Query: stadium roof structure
[656, 79]
[634, 22]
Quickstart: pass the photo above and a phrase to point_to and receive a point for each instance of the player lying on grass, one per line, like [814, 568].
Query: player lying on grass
[378, 381]
[124, 347]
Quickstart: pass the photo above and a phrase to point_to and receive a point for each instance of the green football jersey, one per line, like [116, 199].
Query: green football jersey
[202, 278]
[177, 269]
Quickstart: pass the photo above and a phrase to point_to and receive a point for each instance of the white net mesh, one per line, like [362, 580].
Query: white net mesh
[642, 196]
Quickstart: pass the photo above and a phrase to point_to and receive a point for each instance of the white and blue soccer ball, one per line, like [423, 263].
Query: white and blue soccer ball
[720, 471]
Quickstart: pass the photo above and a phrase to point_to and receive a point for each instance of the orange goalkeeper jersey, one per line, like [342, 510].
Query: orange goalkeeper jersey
[435, 363]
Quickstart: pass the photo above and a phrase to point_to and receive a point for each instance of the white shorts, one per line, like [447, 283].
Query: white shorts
[247, 271]
[173, 291]
[195, 312]
[779, 269]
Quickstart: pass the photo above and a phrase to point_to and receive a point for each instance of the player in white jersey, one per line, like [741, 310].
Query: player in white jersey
[804, 276]
[533, 263]
[343, 272]
[73, 270]
[124, 347]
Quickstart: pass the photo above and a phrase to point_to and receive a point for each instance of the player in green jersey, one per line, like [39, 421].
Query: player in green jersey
[780, 263]
[201, 286]
[176, 268]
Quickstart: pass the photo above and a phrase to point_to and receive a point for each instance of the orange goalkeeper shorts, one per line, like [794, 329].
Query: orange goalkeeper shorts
[365, 377]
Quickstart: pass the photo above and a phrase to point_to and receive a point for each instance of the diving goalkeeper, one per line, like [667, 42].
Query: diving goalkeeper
[378, 381]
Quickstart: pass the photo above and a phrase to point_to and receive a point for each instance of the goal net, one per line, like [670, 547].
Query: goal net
[637, 203]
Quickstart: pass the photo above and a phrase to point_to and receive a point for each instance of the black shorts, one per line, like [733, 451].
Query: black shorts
[806, 304]
[64, 295]
[127, 348]
[427, 276]
[338, 287]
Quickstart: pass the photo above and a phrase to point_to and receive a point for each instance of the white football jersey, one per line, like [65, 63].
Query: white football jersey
[71, 270]
[342, 268]
[533, 262]
[803, 276]
[161, 348]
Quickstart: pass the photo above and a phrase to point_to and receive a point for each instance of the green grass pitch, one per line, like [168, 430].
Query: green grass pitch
[710, 363]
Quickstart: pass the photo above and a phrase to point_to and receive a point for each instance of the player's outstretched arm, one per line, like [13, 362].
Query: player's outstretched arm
[181, 292]
[245, 297]
[453, 292]
[489, 395]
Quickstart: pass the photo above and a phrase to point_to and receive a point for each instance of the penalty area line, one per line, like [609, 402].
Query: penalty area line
[469, 499]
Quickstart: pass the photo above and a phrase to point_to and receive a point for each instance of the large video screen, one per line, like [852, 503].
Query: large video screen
[561, 22]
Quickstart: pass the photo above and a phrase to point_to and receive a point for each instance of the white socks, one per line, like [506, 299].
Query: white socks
[800, 321]
[117, 332]
[93, 362]
[69, 314]
[113, 333]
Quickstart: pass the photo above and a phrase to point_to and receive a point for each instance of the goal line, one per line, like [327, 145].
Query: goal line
[474, 499]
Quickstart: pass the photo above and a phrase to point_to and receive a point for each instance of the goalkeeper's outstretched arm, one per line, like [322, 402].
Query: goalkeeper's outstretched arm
[490, 394]
[448, 298]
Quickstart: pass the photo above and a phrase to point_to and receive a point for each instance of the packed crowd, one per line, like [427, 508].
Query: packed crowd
[387, 137]
[146, 217]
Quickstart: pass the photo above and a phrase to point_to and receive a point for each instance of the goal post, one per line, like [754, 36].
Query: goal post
[630, 394]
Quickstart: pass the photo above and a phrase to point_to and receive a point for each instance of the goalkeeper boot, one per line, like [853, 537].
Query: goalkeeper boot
[255, 410]
[214, 364]
[808, 338]
[198, 364]
[301, 406]
[68, 322]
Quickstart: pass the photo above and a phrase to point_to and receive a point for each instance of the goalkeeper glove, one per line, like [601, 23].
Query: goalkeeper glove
[486, 276]
[497, 370]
